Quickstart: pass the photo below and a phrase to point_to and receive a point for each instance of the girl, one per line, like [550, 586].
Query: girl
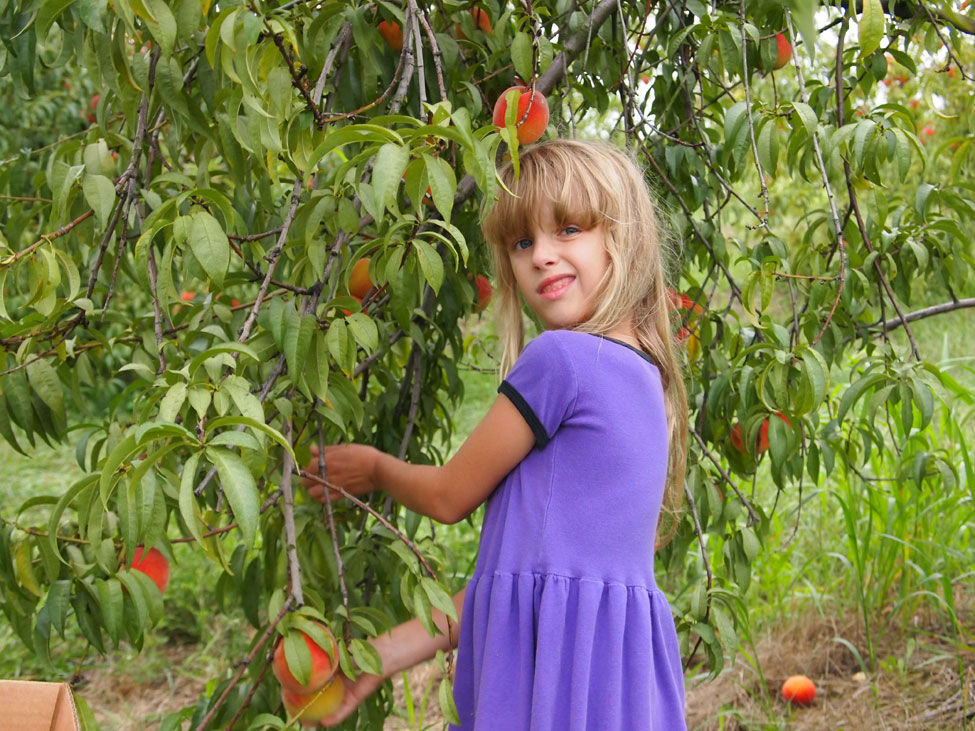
[563, 626]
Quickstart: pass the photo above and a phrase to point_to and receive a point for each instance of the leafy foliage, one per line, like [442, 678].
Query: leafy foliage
[188, 185]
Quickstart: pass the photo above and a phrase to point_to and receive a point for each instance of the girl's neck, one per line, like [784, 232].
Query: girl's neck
[626, 334]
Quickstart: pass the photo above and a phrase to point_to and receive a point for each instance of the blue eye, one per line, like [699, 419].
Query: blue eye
[521, 244]
[571, 230]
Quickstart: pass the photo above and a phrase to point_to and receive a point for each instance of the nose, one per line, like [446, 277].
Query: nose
[544, 251]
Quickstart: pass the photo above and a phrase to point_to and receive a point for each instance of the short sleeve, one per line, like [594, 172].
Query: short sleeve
[542, 385]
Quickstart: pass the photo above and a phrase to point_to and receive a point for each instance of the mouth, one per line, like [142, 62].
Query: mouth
[553, 287]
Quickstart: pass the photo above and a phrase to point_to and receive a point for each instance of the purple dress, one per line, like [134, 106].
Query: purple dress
[564, 628]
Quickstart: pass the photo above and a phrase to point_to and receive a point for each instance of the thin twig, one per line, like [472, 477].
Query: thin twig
[242, 665]
[294, 567]
[727, 478]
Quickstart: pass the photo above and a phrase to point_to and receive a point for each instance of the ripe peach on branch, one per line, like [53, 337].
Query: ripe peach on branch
[359, 280]
[784, 51]
[321, 669]
[153, 564]
[532, 115]
[393, 33]
[311, 708]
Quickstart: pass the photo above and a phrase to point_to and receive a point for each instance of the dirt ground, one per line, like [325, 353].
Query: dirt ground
[919, 683]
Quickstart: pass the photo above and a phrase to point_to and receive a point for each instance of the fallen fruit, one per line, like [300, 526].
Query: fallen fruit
[531, 126]
[799, 689]
[322, 669]
[153, 564]
[785, 51]
[311, 708]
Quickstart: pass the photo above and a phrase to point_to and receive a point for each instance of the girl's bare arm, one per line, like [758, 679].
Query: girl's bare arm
[446, 494]
[406, 645]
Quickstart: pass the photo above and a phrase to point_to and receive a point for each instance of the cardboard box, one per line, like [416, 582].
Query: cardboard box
[31, 706]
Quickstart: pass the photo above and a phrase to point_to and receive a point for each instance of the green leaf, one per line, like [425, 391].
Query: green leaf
[807, 115]
[219, 348]
[391, 162]
[210, 246]
[445, 696]
[366, 656]
[48, 13]
[260, 426]
[316, 372]
[58, 601]
[111, 602]
[430, 263]
[135, 598]
[189, 509]
[100, 193]
[172, 402]
[443, 184]
[298, 656]
[44, 380]
[364, 330]
[240, 489]
[341, 345]
[161, 23]
[522, 55]
[297, 338]
[438, 597]
[872, 26]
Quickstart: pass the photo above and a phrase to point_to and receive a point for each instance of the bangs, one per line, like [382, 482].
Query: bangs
[548, 176]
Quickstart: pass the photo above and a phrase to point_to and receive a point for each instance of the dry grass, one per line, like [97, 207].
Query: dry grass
[909, 691]
[122, 703]
[920, 689]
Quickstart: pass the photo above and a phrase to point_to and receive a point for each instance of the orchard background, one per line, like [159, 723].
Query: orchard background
[186, 187]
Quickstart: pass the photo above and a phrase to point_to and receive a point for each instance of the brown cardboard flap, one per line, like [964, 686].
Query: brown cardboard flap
[27, 705]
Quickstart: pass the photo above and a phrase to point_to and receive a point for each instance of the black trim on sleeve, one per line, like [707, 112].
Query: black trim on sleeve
[534, 423]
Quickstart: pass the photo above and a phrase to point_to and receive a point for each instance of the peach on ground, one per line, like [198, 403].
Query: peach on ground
[799, 689]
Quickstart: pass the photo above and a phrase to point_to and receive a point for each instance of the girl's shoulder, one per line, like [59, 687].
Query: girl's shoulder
[575, 345]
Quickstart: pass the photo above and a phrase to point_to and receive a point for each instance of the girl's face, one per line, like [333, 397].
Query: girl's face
[558, 267]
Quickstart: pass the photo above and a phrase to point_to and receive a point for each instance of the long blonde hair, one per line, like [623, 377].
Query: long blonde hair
[592, 184]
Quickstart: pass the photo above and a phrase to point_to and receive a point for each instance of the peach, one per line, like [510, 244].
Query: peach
[321, 666]
[393, 33]
[484, 292]
[311, 708]
[785, 51]
[359, 280]
[799, 689]
[530, 127]
[153, 564]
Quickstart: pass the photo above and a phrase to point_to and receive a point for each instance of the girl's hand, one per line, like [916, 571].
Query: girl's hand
[355, 693]
[350, 466]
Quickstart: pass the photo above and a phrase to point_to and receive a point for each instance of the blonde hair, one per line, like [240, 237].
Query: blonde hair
[591, 184]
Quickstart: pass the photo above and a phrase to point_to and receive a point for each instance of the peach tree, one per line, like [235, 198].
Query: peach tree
[186, 187]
